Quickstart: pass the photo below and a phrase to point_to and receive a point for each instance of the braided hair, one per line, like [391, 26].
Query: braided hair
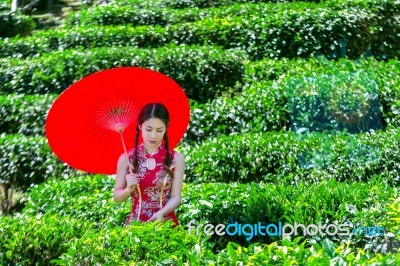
[153, 110]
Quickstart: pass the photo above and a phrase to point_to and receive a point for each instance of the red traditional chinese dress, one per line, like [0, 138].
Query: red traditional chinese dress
[151, 183]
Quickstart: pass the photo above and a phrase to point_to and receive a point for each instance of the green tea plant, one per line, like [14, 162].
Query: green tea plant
[24, 114]
[138, 243]
[276, 35]
[88, 197]
[203, 72]
[288, 157]
[37, 239]
[14, 23]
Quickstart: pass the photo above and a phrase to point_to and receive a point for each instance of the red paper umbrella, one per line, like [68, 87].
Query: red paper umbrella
[88, 121]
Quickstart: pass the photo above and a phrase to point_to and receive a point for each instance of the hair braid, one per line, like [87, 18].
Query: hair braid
[135, 158]
[167, 160]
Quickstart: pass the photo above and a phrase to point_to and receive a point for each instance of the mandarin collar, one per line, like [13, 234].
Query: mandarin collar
[156, 150]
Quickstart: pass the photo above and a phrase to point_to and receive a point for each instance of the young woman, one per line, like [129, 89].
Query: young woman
[156, 169]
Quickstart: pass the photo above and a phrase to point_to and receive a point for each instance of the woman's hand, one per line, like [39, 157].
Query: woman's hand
[156, 216]
[132, 182]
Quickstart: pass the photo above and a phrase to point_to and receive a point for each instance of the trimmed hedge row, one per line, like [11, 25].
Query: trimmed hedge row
[26, 160]
[89, 198]
[177, 4]
[349, 32]
[65, 241]
[258, 108]
[116, 14]
[174, 247]
[14, 24]
[261, 106]
[254, 157]
[203, 72]
[37, 240]
[295, 252]
[140, 244]
[289, 157]
[263, 103]
[24, 114]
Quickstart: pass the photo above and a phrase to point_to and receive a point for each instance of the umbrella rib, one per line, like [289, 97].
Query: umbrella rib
[104, 89]
[91, 138]
[102, 153]
[150, 78]
[72, 162]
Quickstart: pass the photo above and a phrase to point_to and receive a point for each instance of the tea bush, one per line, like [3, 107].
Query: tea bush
[89, 198]
[262, 105]
[24, 114]
[300, 253]
[264, 102]
[28, 160]
[327, 202]
[139, 243]
[277, 35]
[147, 245]
[14, 24]
[203, 72]
[116, 14]
[177, 4]
[290, 157]
[39, 239]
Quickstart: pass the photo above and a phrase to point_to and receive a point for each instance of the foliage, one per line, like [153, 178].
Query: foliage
[289, 157]
[24, 114]
[180, 4]
[261, 106]
[290, 33]
[203, 72]
[14, 24]
[28, 160]
[261, 172]
[116, 14]
[296, 252]
[51, 239]
[327, 202]
[138, 243]
[36, 240]
[89, 198]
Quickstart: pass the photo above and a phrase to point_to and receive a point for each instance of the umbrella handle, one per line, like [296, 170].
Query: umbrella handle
[131, 171]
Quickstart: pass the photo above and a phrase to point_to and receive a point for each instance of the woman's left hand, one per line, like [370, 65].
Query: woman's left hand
[156, 216]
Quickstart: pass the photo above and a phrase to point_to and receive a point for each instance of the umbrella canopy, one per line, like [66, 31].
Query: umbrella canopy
[84, 123]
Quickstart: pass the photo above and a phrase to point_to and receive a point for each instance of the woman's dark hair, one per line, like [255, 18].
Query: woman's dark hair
[153, 110]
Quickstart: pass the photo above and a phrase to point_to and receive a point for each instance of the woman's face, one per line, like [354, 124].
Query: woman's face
[153, 131]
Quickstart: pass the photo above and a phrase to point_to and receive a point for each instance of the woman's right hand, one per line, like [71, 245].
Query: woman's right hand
[132, 182]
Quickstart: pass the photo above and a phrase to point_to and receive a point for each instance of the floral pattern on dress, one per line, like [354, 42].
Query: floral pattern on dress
[151, 182]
